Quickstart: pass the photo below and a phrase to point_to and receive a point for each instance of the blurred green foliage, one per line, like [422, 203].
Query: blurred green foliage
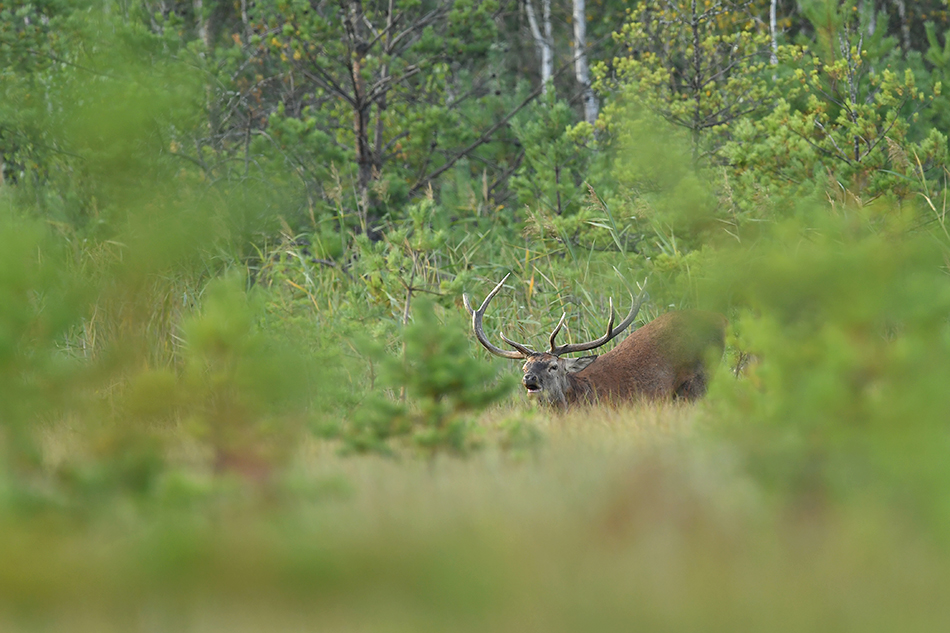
[39, 301]
[442, 386]
[851, 328]
[233, 243]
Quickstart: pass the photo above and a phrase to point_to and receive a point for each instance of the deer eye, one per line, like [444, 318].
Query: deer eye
[552, 367]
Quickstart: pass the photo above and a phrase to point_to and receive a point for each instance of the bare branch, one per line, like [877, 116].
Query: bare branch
[484, 138]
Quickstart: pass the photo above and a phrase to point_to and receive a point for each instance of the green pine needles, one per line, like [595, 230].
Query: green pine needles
[439, 388]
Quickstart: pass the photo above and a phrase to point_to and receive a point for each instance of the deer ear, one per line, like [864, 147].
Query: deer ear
[574, 365]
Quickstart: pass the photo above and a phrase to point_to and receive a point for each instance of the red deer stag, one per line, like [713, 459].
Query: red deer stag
[666, 358]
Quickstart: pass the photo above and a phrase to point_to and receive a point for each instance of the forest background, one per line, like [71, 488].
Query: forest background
[238, 387]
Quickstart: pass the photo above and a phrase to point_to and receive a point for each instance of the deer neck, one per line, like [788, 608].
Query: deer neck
[578, 389]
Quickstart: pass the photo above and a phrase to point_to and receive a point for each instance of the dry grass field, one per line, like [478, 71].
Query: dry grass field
[610, 519]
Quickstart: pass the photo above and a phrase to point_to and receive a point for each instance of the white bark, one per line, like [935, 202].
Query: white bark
[905, 26]
[201, 24]
[773, 31]
[581, 70]
[543, 42]
[871, 12]
[548, 60]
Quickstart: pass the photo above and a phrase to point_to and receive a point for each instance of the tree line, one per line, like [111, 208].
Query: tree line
[360, 108]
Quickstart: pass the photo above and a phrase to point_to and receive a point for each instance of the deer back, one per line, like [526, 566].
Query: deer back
[664, 358]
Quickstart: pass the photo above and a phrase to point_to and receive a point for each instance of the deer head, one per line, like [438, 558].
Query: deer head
[547, 376]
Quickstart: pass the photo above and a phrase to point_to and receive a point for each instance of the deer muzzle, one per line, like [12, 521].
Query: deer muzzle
[531, 383]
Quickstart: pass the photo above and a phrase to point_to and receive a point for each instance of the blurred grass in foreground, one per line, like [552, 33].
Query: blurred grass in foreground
[623, 520]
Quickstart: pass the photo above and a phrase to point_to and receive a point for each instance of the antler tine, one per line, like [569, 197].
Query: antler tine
[554, 334]
[477, 315]
[518, 346]
[611, 331]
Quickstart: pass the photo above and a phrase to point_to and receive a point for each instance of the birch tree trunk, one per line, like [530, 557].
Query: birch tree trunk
[201, 25]
[581, 70]
[548, 59]
[544, 42]
[905, 26]
[773, 31]
[869, 8]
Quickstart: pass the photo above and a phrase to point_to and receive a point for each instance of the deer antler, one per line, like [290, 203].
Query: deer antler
[611, 332]
[560, 324]
[523, 352]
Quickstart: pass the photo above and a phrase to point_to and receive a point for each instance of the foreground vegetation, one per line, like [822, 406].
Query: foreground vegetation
[238, 389]
[621, 517]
